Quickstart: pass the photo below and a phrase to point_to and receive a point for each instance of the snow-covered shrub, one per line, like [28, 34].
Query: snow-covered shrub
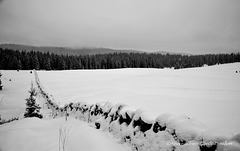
[215, 136]
[188, 130]
[161, 122]
[152, 141]
[116, 129]
[126, 115]
[106, 109]
[143, 126]
[3, 121]
[84, 110]
[115, 111]
[95, 112]
[106, 114]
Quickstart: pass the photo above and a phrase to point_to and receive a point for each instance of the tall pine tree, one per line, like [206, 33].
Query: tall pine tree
[47, 64]
[36, 62]
[32, 109]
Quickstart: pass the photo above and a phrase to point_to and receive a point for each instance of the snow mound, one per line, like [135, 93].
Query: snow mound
[147, 131]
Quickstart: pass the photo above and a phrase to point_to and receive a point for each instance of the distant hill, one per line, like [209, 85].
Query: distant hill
[171, 53]
[77, 51]
[66, 50]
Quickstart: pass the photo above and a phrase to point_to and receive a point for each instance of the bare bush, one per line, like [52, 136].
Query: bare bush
[63, 138]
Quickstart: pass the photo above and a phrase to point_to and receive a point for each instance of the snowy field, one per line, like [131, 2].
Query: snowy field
[209, 94]
[33, 134]
[15, 90]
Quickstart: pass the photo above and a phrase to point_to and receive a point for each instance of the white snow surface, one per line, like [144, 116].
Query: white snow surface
[15, 90]
[208, 94]
[33, 134]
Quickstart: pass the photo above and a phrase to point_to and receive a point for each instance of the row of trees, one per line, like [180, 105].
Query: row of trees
[22, 60]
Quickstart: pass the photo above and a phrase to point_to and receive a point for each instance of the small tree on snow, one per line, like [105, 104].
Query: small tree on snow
[32, 109]
[1, 81]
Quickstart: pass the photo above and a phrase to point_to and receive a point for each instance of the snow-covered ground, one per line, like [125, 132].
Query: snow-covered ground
[15, 90]
[33, 134]
[208, 94]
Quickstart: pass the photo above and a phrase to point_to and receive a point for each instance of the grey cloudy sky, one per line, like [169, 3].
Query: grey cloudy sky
[191, 26]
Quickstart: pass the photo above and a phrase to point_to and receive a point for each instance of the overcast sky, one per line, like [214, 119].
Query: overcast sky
[191, 26]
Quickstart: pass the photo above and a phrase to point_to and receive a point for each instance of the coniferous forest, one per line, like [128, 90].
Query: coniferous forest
[23, 60]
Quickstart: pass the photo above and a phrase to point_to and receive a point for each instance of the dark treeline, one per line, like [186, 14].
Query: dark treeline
[22, 60]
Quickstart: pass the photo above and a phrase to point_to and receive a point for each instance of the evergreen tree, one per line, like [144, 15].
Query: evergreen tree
[35, 62]
[25, 60]
[32, 109]
[1, 81]
[62, 63]
[47, 64]
[19, 65]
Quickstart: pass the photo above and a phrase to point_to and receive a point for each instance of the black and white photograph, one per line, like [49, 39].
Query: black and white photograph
[119, 75]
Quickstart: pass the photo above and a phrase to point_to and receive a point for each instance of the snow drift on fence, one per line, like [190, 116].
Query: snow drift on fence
[145, 132]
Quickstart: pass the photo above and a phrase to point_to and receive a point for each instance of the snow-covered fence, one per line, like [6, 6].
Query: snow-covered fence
[147, 133]
[48, 97]
[143, 131]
